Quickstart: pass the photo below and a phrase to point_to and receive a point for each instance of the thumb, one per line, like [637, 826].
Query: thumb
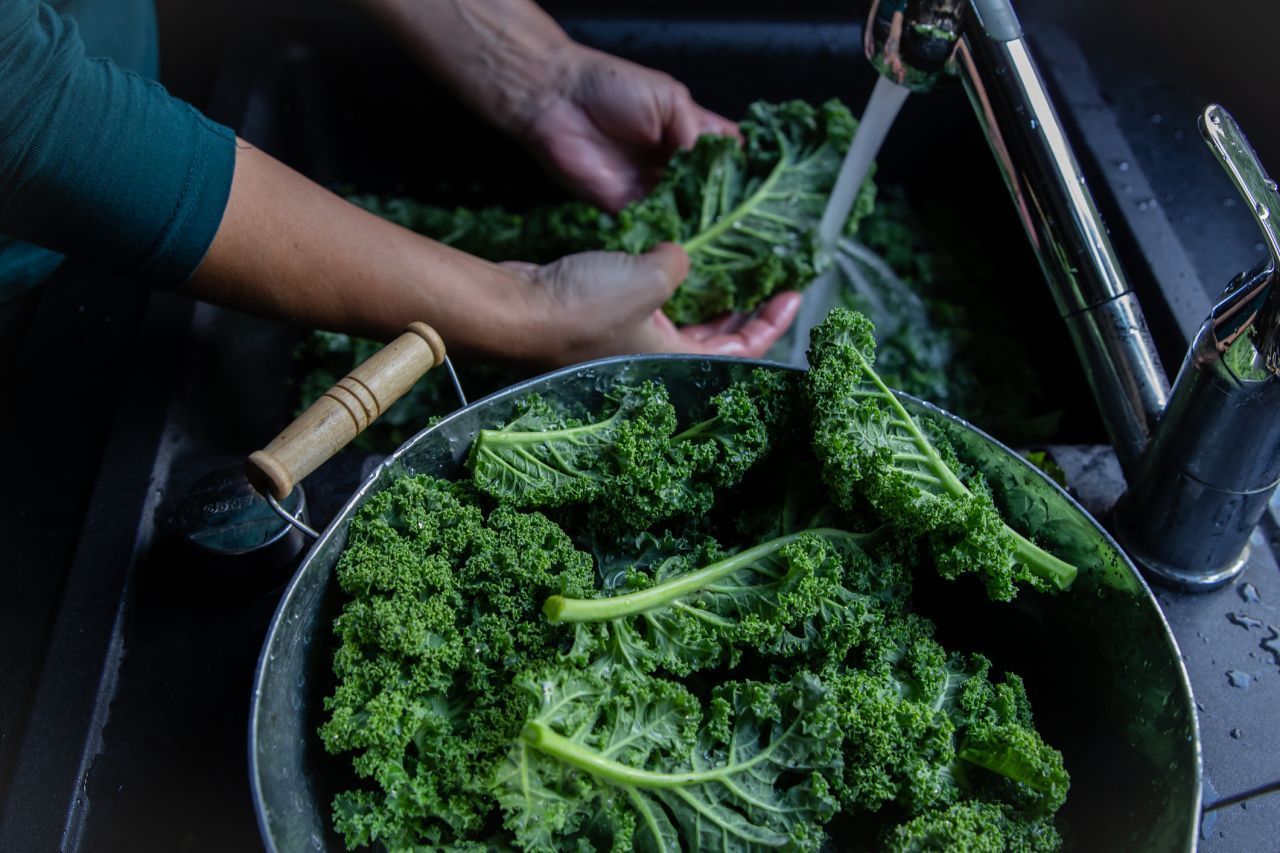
[667, 262]
[626, 283]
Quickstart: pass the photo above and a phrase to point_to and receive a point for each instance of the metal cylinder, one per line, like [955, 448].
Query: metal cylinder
[1214, 462]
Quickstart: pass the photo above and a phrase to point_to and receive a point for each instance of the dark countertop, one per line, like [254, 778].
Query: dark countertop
[1224, 637]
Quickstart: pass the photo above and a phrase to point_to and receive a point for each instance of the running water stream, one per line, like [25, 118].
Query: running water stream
[882, 108]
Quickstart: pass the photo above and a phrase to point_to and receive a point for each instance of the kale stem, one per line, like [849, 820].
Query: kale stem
[948, 481]
[543, 738]
[1060, 573]
[742, 211]
[561, 609]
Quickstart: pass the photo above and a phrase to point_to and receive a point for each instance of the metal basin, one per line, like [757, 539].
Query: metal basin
[1103, 671]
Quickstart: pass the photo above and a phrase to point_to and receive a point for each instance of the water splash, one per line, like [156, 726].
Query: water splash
[1239, 679]
[881, 110]
[1249, 592]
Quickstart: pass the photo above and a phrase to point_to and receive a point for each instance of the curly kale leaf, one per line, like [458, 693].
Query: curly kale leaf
[631, 466]
[442, 616]
[871, 448]
[748, 214]
[924, 728]
[973, 826]
[794, 595]
[630, 763]
[542, 458]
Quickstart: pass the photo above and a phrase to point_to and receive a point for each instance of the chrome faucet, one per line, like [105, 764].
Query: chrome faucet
[1198, 489]
[1210, 471]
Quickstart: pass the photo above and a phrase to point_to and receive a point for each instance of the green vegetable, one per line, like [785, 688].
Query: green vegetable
[797, 594]
[732, 675]
[632, 466]
[924, 728]
[747, 213]
[872, 449]
[975, 827]
[444, 604]
[631, 765]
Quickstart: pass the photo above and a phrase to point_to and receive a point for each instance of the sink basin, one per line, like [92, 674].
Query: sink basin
[351, 131]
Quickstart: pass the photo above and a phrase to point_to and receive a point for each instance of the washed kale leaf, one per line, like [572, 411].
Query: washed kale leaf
[443, 606]
[629, 763]
[871, 448]
[813, 591]
[631, 467]
[748, 215]
[975, 827]
[925, 728]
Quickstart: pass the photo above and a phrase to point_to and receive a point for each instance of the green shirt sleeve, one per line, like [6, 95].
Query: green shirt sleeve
[99, 163]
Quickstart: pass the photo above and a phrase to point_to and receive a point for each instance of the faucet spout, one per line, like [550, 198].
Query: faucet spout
[1064, 226]
[915, 42]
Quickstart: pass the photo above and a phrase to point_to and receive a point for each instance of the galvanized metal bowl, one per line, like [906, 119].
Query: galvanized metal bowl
[1102, 669]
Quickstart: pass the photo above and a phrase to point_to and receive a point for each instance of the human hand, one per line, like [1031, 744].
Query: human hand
[609, 126]
[610, 303]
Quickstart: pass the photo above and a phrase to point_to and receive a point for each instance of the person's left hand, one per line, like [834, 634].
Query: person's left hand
[610, 127]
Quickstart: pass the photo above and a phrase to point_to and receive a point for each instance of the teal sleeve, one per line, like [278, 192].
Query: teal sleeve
[99, 163]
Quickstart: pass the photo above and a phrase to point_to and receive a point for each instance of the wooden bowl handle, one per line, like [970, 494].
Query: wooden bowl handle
[344, 411]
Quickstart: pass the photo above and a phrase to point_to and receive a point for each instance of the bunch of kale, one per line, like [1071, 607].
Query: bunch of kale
[627, 631]
[747, 213]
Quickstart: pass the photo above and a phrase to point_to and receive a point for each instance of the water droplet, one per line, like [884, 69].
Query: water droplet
[1123, 165]
[1229, 201]
[1235, 733]
[1034, 124]
[1157, 118]
[1179, 133]
[1215, 118]
[1261, 209]
[1271, 185]
[1259, 246]
[1239, 679]
[1270, 645]
[1249, 592]
[1244, 620]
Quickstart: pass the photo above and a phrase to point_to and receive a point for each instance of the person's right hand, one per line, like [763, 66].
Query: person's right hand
[610, 303]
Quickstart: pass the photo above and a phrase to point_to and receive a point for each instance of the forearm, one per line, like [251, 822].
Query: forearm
[504, 58]
[289, 249]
